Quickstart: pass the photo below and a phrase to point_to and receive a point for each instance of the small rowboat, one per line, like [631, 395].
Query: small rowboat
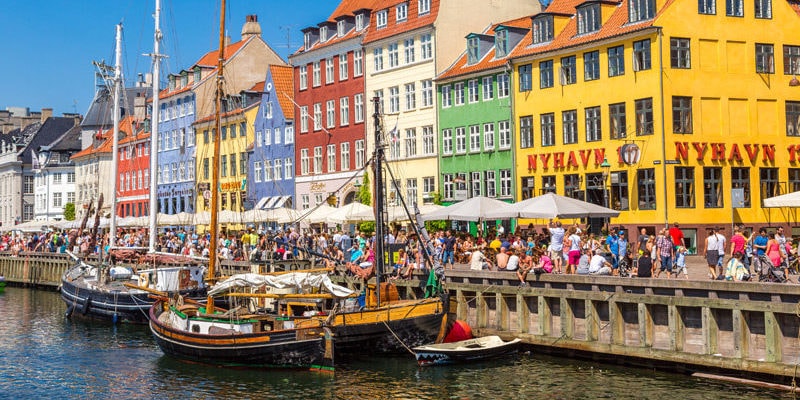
[476, 349]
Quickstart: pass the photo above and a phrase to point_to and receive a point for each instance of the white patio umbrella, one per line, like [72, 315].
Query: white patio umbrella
[132, 222]
[784, 200]
[353, 212]
[473, 209]
[181, 218]
[318, 215]
[551, 205]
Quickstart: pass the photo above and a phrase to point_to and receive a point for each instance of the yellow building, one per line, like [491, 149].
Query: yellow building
[685, 100]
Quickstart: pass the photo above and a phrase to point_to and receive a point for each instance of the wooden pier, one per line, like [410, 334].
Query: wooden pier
[746, 327]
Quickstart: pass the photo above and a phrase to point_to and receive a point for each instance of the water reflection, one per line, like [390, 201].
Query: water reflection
[45, 354]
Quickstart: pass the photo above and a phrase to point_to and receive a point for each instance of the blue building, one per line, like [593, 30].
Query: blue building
[271, 173]
[176, 145]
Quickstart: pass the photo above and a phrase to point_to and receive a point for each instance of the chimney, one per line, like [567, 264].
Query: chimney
[251, 27]
[46, 113]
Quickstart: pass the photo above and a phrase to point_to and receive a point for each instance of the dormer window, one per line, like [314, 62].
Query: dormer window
[542, 29]
[360, 19]
[424, 6]
[381, 18]
[340, 28]
[588, 19]
[473, 50]
[640, 10]
[500, 43]
[184, 79]
[172, 82]
[323, 33]
[307, 40]
[197, 74]
[402, 12]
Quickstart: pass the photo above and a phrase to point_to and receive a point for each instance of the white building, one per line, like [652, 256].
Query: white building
[54, 180]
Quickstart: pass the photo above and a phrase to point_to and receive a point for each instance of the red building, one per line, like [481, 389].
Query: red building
[133, 181]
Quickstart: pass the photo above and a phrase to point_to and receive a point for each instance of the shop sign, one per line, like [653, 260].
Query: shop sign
[630, 153]
[724, 152]
[317, 187]
[560, 160]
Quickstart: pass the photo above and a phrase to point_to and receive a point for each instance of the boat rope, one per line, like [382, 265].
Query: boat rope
[398, 339]
[133, 297]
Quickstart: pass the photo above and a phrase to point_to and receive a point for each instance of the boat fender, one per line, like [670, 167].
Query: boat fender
[115, 318]
[69, 311]
[86, 303]
[144, 279]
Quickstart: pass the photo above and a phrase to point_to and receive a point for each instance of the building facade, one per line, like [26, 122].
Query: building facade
[54, 176]
[133, 168]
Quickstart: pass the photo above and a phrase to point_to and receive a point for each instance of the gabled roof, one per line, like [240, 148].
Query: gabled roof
[346, 8]
[283, 79]
[101, 110]
[210, 59]
[488, 62]
[70, 141]
[413, 19]
[52, 129]
[106, 144]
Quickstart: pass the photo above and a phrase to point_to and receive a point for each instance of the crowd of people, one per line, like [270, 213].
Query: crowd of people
[555, 249]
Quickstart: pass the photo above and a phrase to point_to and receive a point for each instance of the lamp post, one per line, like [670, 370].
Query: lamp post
[606, 167]
[44, 159]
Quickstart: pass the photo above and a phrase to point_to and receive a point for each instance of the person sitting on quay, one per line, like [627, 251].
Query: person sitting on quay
[735, 270]
[513, 261]
[583, 262]
[598, 265]
[644, 266]
[501, 258]
[479, 262]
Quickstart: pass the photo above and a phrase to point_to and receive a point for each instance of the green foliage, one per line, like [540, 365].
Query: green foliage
[437, 198]
[69, 211]
[367, 227]
[364, 193]
[435, 226]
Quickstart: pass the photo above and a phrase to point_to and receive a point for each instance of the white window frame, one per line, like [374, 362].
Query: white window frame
[474, 138]
[360, 153]
[317, 116]
[358, 101]
[316, 79]
[504, 135]
[288, 134]
[447, 97]
[303, 77]
[381, 18]
[411, 96]
[401, 12]
[331, 153]
[424, 6]
[428, 140]
[488, 88]
[427, 93]
[447, 141]
[344, 156]
[411, 142]
[344, 111]
[330, 114]
[304, 167]
[318, 159]
[329, 70]
[408, 50]
[426, 46]
[358, 63]
[342, 66]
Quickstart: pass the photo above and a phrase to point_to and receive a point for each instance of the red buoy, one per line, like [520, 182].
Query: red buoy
[460, 331]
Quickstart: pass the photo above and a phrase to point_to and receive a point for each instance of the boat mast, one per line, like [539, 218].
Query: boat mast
[154, 128]
[212, 260]
[115, 141]
[379, 200]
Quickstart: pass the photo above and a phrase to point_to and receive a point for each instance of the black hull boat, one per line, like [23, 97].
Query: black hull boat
[470, 350]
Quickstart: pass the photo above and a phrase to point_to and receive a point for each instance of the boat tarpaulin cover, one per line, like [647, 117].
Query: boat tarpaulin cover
[302, 281]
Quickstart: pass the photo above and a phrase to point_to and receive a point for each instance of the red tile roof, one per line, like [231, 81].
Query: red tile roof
[347, 7]
[283, 79]
[106, 145]
[413, 21]
[258, 87]
[210, 59]
[488, 61]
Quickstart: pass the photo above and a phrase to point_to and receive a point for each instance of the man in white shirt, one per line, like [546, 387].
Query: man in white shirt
[598, 265]
[478, 261]
[513, 261]
[556, 245]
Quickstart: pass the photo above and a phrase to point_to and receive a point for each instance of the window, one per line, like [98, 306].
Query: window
[591, 65]
[411, 96]
[616, 116]
[472, 87]
[500, 43]
[461, 140]
[491, 183]
[427, 93]
[488, 88]
[644, 116]
[394, 99]
[304, 202]
[330, 113]
[681, 114]
[616, 61]
[277, 170]
[329, 70]
[474, 138]
[233, 164]
[70, 197]
[426, 46]
[380, 18]
[504, 134]
[394, 58]
[360, 22]
[684, 187]
[411, 142]
[411, 190]
[640, 10]
[342, 66]
[57, 199]
[223, 167]
[331, 158]
[794, 180]
[548, 129]
[345, 156]
[344, 111]
[763, 9]
[505, 182]
[447, 141]
[765, 58]
[70, 177]
[475, 184]
[424, 6]
[593, 126]
[769, 183]
[360, 154]
[242, 164]
[569, 120]
[792, 118]
[459, 93]
[542, 29]
[740, 178]
[712, 187]
[488, 136]
[358, 99]
[680, 55]
[502, 86]
[408, 49]
[572, 186]
[315, 74]
[646, 186]
[588, 18]
[340, 28]
[641, 55]
[568, 70]
[734, 8]
[447, 186]
[304, 167]
[257, 171]
[707, 7]
[377, 55]
[428, 186]
[526, 132]
[317, 116]
[428, 140]
[205, 137]
[473, 50]
[525, 77]
[318, 159]
[57, 178]
[401, 11]
[791, 60]
[205, 168]
[358, 63]
[447, 100]
[267, 137]
[323, 33]
[394, 144]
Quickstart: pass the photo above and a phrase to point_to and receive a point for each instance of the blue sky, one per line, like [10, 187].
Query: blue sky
[49, 45]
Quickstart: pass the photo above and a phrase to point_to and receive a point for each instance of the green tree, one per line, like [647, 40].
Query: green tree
[69, 211]
[367, 227]
[364, 194]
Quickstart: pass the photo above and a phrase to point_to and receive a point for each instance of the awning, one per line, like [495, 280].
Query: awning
[270, 202]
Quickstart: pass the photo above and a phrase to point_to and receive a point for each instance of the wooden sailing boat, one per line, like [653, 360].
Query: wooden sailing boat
[239, 336]
[116, 293]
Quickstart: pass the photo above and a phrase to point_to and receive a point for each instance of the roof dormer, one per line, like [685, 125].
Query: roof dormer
[588, 17]
[381, 18]
[545, 25]
[506, 38]
[477, 47]
[362, 18]
[326, 31]
[344, 24]
[310, 36]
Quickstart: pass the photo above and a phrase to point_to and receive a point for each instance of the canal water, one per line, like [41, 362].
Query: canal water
[44, 354]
